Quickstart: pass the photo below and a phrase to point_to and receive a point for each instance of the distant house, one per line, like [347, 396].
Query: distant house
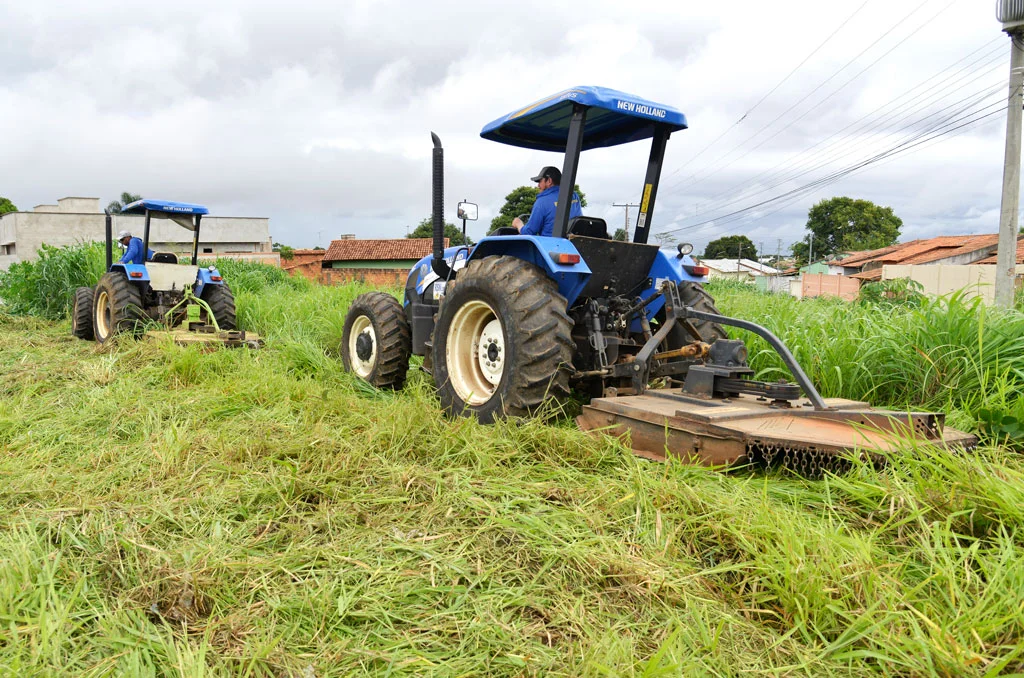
[307, 263]
[376, 262]
[75, 220]
[945, 249]
[737, 269]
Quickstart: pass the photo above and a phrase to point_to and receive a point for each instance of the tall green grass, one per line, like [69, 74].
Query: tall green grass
[170, 511]
[949, 353]
[45, 287]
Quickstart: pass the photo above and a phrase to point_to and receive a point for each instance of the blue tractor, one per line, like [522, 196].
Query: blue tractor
[518, 321]
[130, 297]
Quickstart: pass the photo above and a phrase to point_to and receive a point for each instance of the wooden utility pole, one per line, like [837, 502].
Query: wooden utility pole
[627, 205]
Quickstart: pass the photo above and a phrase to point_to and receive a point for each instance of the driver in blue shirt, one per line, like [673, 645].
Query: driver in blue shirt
[133, 255]
[542, 218]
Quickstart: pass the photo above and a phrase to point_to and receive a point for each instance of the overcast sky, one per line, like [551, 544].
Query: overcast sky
[318, 115]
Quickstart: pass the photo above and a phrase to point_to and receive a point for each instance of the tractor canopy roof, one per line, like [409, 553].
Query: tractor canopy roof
[167, 206]
[613, 118]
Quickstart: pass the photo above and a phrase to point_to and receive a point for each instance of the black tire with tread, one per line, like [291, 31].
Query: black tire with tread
[537, 335]
[125, 306]
[222, 302]
[394, 338]
[81, 313]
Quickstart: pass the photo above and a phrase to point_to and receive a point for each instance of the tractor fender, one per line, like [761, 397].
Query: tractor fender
[422, 276]
[667, 266]
[542, 252]
[205, 277]
[134, 272]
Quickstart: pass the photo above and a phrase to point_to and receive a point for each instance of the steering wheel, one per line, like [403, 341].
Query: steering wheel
[510, 230]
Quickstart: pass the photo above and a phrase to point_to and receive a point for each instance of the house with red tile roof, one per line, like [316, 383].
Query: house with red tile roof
[375, 262]
[945, 249]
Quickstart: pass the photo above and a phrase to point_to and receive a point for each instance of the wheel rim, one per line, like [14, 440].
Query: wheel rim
[475, 352]
[102, 320]
[74, 316]
[362, 331]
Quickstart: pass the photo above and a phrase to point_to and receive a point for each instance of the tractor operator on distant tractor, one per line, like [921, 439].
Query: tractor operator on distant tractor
[133, 255]
[542, 218]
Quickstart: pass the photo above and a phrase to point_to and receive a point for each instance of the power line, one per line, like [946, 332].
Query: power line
[741, 221]
[772, 90]
[805, 157]
[907, 144]
[743, 143]
[792, 174]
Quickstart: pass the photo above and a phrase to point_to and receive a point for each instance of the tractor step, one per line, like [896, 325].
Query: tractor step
[754, 430]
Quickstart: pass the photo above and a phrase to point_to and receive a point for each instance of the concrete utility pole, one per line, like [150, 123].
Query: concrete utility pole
[627, 205]
[1011, 14]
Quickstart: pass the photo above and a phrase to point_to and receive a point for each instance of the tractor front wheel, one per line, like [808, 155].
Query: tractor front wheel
[222, 303]
[81, 313]
[376, 341]
[502, 345]
[117, 307]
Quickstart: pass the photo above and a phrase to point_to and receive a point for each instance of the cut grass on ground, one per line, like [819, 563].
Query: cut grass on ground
[172, 512]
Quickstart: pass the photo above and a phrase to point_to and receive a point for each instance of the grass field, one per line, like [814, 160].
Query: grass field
[171, 512]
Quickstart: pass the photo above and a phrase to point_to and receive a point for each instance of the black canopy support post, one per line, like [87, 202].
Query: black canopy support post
[145, 238]
[573, 147]
[109, 228]
[195, 241]
[654, 164]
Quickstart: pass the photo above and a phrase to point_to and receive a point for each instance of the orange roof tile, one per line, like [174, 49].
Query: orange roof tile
[1020, 254]
[353, 249]
[921, 251]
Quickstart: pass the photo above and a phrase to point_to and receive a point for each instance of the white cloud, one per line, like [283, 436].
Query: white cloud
[318, 114]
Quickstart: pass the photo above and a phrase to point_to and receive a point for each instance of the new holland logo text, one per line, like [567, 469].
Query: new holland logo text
[642, 109]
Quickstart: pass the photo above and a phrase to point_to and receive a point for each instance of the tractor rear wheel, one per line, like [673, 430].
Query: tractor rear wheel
[376, 342]
[502, 345]
[117, 307]
[694, 295]
[222, 303]
[81, 313]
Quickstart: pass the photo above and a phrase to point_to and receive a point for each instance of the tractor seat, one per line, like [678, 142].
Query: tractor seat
[589, 227]
[164, 258]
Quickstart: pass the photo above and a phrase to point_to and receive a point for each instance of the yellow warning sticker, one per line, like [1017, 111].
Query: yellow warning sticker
[647, 198]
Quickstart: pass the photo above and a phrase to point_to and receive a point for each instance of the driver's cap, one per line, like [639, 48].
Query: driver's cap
[548, 172]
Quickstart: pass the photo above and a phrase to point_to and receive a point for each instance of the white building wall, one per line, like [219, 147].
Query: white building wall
[977, 280]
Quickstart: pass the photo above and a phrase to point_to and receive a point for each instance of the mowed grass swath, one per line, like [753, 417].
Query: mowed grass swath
[168, 511]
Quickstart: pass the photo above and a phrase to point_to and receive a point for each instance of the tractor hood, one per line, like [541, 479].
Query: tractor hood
[613, 118]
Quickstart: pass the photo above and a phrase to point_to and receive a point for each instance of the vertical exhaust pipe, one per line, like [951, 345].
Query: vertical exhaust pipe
[438, 263]
[110, 239]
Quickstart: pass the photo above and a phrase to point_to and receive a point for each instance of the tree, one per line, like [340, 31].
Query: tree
[6, 206]
[287, 252]
[620, 234]
[115, 206]
[731, 247]
[425, 229]
[520, 201]
[844, 224]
